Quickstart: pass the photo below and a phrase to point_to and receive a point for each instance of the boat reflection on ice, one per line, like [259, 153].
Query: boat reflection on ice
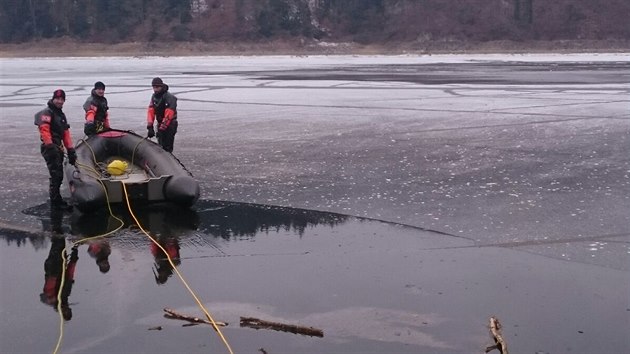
[157, 218]
[211, 218]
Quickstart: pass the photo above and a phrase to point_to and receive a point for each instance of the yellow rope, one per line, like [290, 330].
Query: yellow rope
[214, 325]
[63, 255]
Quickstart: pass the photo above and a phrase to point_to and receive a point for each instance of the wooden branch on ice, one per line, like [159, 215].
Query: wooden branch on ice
[276, 326]
[193, 320]
[495, 331]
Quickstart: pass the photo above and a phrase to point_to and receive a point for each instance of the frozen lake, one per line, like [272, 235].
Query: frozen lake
[506, 178]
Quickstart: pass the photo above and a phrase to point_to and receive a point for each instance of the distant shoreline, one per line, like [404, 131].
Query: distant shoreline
[65, 47]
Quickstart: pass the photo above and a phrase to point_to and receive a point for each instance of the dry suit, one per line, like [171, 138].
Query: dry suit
[55, 135]
[163, 108]
[96, 114]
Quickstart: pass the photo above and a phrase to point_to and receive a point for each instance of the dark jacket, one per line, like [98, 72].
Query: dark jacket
[163, 107]
[96, 110]
[53, 126]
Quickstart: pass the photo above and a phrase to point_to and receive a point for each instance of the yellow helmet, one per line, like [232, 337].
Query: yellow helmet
[117, 167]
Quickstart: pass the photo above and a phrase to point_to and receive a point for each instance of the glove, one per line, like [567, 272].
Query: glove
[150, 131]
[89, 129]
[100, 127]
[72, 157]
[163, 127]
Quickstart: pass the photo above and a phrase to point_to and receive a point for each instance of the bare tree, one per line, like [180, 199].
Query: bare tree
[523, 11]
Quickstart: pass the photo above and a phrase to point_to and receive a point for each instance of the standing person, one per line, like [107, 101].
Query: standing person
[96, 111]
[163, 107]
[54, 132]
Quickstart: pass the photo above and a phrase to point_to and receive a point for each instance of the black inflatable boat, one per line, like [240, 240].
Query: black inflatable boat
[107, 160]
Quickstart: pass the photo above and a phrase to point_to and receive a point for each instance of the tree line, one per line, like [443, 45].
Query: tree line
[112, 21]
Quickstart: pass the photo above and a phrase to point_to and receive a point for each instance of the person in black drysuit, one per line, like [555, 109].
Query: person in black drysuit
[54, 132]
[163, 108]
[96, 111]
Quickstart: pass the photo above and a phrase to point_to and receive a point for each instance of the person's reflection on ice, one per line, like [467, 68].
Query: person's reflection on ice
[56, 221]
[163, 269]
[100, 251]
[53, 267]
